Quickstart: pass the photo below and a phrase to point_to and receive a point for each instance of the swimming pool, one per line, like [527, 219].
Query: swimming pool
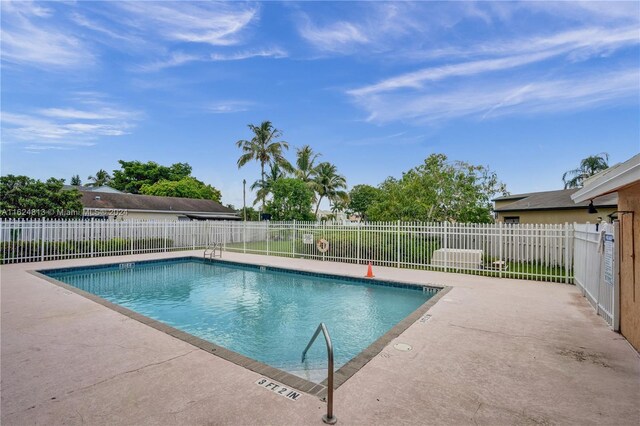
[264, 313]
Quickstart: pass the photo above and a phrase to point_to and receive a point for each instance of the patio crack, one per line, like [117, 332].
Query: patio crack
[135, 370]
[502, 333]
[106, 380]
[82, 345]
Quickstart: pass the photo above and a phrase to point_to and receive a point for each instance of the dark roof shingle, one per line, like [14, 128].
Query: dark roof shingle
[105, 200]
[550, 200]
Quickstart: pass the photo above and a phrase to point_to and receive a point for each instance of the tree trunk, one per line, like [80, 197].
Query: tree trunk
[318, 205]
[264, 196]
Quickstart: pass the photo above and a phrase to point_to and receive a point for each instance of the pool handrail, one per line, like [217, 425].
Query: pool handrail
[328, 418]
[211, 250]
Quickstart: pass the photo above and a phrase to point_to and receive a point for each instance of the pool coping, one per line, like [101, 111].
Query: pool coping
[319, 390]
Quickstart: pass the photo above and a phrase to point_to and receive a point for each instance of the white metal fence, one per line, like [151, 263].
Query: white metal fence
[593, 268]
[541, 252]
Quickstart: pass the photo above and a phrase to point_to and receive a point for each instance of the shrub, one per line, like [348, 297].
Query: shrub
[28, 251]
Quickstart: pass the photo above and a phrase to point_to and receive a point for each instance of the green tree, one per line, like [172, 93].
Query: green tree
[187, 187]
[101, 178]
[252, 214]
[133, 175]
[264, 187]
[305, 164]
[24, 197]
[361, 197]
[292, 200]
[75, 180]
[263, 148]
[338, 206]
[588, 167]
[438, 190]
[327, 183]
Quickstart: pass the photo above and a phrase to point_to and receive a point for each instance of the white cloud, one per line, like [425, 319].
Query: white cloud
[179, 58]
[174, 60]
[336, 37]
[25, 7]
[519, 76]
[577, 44]
[583, 43]
[28, 37]
[46, 148]
[596, 11]
[218, 24]
[377, 27]
[418, 78]
[491, 99]
[68, 126]
[103, 113]
[227, 107]
[120, 36]
[276, 53]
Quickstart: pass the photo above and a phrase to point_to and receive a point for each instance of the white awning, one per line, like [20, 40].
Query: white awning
[610, 180]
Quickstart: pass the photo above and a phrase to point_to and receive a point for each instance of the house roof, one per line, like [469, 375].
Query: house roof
[513, 197]
[108, 200]
[610, 180]
[552, 200]
[104, 188]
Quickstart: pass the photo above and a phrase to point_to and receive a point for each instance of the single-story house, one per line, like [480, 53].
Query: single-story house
[551, 207]
[103, 188]
[123, 206]
[624, 180]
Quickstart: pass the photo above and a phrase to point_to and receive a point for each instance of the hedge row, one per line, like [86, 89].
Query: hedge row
[17, 251]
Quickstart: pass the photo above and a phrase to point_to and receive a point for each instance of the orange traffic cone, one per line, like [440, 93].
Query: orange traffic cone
[369, 272]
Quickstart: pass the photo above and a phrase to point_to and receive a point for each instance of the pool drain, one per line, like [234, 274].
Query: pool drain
[403, 347]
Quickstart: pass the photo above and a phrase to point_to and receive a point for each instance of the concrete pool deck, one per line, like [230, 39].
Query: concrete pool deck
[493, 351]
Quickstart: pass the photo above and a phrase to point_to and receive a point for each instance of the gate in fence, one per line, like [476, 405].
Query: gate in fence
[596, 268]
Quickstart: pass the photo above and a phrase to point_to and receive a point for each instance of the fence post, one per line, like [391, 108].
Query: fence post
[166, 235]
[500, 243]
[131, 234]
[596, 288]
[93, 238]
[267, 237]
[228, 229]
[42, 242]
[616, 276]
[398, 243]
[358, 244]
[566, 253]
[445, 243]
[244, 237]
[295, 238]
[324, 234]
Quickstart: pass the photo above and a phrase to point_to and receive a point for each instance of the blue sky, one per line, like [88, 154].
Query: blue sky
[527, 89]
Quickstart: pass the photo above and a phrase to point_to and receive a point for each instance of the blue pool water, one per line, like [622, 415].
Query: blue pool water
[265, 315]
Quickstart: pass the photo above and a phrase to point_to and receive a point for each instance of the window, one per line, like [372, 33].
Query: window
[512, 219]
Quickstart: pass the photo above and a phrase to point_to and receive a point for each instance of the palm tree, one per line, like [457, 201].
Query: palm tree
[264, 187]
[100, 179]
[306, 168]
[75, 180]
[588, 167]
[328, 183]
[338, 206]
[264, 148]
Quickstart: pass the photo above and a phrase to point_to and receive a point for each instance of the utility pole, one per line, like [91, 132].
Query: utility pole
[244, 198]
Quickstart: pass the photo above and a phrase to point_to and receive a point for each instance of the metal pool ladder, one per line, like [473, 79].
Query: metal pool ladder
[211, 249]
[328, 418]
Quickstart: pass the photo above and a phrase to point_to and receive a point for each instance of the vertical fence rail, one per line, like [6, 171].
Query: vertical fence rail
[540, 252]
[590, 269]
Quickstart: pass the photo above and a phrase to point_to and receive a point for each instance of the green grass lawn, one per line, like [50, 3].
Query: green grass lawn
[519, 270]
